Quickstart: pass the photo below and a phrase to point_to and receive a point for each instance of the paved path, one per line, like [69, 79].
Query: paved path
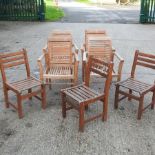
[45, 132]
[113, 13]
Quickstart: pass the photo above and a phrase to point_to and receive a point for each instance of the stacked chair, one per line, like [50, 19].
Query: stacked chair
[59, 60]
[99, 45]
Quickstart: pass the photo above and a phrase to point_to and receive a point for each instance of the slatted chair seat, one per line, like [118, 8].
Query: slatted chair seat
[24, 84]
[81, 96]
[59, 72]
[135, 85]
[82, 93]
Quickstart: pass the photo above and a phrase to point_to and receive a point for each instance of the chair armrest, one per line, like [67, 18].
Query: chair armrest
[45, 49]
[40, 65]
[75, 47]
[82, 48]
[120, 65]
[85, 56]
[75, 53]
[118, 57]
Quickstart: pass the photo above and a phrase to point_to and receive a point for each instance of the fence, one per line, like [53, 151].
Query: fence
[147, 14]
[22, 10]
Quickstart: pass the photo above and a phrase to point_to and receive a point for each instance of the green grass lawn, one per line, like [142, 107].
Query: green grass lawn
[53, 13]
[84, 1]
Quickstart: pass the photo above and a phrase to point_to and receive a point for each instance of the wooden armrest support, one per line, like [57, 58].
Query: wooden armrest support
[120, 65]
[82, 48]
[118, 56]
[75, 46]
[41, 57]
[85, 55]
[45, 49]
[40, 65]
[76, 56]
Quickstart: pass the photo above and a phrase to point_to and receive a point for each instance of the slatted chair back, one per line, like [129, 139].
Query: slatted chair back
[60, 49]
[9, 60]
[100, 48]
[60, 33]
[101, 68]
[144, 60]
[93, 33]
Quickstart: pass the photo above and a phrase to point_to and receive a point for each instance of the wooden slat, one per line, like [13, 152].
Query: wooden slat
[146, 55]
[146, 65]
[6, 55]
[151, 61]
[12, 59]
[97, 71]
[83, 92]
[14, 64]
[90, 90]
[76, 96]
[80, 94]
[73, 97]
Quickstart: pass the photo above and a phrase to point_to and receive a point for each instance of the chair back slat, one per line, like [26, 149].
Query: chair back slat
[101, 68]
[144, 60]
[60, 49]
[93, 33]
[101, 48]
[9, 65]
[9, 60]
[21, 57]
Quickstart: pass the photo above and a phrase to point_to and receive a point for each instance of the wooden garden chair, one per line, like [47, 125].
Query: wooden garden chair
[99, 45]
[132, 88]
[61, 60]
[79, 97]
[22, 88]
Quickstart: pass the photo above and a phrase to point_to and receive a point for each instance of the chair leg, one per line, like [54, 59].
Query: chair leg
[72, 82]
[6, 97]
[19, 106]
[105, 110]
[140, 108]
[63, 105]
[153, 100]
[43, 96]
[50, 84]
[83, 71]
[116, 97]
[130, 92]
[81, 118]
[29, 91]
[75, 81]
[86, 107]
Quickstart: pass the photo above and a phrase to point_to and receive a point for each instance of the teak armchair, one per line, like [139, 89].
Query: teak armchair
[9, 60]
[99, 45]
[81, 96]
[61, 59]
[132, 88]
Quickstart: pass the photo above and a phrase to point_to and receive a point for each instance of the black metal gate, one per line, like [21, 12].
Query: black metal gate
[22, 10]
